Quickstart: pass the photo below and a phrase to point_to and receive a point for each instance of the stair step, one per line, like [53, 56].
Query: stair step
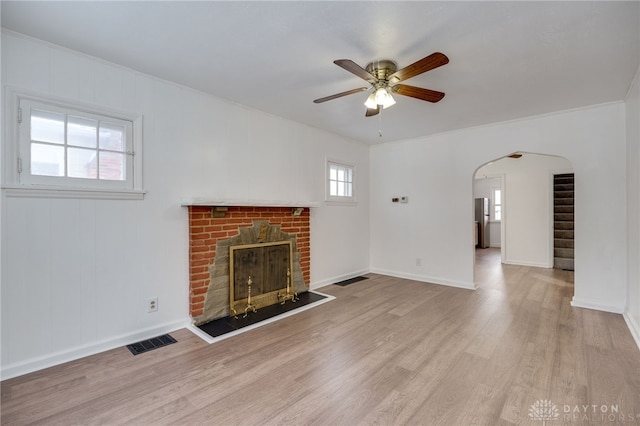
[563, 187]
[563, 194]
[561, 226]
[563, 243]
[564, 234]
[563, 201]
[566, 264]
[564, 176]
[563, 253]
[560, 217]
[564, 208]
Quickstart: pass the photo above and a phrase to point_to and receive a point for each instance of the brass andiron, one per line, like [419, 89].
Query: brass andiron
[249, 305]
[289, 295]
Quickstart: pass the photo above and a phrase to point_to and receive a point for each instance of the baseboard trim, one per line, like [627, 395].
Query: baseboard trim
[531, 264]
[426, 279]
[57, 358]
[586, 304]
[634, 327]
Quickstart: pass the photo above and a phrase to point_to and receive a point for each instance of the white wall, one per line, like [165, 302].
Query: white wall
[632, 314]
[437, 173]
[76, 274]
[483, 188]
[528, 206]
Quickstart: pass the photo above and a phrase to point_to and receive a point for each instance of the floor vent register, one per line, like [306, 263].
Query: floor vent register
[351, 281]
[151, 344]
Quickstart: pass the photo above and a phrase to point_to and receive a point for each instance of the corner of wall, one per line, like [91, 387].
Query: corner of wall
[634, 328]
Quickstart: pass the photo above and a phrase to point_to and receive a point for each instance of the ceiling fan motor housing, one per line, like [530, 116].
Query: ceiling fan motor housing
[382, 70]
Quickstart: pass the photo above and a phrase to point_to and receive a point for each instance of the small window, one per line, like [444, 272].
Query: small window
[64, 146]
[340, 184]
[497, 204]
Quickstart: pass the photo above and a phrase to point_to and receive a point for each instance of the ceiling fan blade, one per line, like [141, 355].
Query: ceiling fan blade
[341, 94]
[373, 111]
[428, 63]
[418, 93]
[356, 69]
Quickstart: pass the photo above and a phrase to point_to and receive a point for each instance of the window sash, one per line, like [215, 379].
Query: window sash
[90, 150]
[340, 182]
[497, 204]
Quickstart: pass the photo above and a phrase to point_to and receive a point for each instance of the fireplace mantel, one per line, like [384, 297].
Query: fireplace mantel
[226, 202]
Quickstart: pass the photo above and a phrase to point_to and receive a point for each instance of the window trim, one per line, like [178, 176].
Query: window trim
[13, 186]
[337, 199]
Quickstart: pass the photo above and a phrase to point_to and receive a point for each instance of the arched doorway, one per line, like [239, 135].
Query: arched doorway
[523, 217]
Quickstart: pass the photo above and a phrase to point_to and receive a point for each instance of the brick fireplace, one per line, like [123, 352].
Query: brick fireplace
[211, 229]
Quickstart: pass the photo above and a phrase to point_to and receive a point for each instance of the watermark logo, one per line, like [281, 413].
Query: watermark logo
[544, 410]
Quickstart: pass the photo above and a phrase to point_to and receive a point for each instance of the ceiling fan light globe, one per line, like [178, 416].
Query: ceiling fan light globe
[388, 102]
[380, 96]
[383, 97]
[371, 102]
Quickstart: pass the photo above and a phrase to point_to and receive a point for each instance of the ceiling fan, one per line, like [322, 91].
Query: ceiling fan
[384, 77]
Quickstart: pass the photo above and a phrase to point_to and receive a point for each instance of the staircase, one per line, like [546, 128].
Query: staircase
[563, 221]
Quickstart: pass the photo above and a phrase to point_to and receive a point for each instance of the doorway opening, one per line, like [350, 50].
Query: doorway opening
[563, 221]
[523, 218]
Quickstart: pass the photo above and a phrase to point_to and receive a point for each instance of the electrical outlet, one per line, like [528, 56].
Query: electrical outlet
[418, 261]
[152, 304]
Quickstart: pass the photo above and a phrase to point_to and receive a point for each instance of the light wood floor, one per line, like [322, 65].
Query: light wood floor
[387, 351]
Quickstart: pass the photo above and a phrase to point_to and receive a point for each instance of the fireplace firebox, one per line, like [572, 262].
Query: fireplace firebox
[260, 275]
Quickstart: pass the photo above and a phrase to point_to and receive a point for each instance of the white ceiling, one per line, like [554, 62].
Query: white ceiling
[507, 59]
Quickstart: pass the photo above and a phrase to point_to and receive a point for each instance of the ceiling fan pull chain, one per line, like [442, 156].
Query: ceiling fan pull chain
[380, 123]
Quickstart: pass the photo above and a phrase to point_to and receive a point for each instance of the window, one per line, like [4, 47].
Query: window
[497, 204]
[66, 147]
[340, 182]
